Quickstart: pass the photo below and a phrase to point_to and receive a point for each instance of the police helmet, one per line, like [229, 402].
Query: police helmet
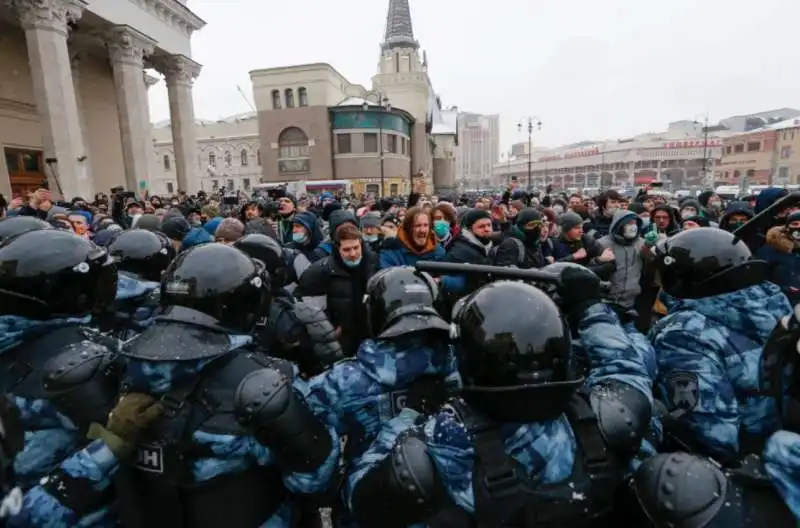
[143, 253]
[705, 262]
[267, 250]
[515, 353]
[21, 224]
[221, 282]
[399, 300]
[49, 273]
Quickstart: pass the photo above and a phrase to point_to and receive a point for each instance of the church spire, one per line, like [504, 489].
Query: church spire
[399, 31]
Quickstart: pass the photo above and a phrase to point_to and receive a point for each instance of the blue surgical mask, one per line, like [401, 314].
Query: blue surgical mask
[352, 263]
[370, 238]
[441, 228]
[299, 237]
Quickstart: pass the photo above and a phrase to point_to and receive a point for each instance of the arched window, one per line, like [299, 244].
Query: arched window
[302, 96]
[276, 99]
[258, 157]
[294, 155]
[243, 157]
[212, 160]
[289, 98]
[167, 163]
[228, 159]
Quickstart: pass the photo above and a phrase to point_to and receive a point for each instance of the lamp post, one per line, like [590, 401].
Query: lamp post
[532, 121]
[705, 144]
[384, 106]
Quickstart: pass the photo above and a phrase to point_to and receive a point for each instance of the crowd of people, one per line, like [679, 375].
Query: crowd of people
[280, 361]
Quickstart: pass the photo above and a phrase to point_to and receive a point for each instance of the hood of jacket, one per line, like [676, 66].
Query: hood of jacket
[769, 196]
[620, 218]
[310, 222]
[15, 330]
[734, 208]
[779, 239]
[397, 362]
[752, 312]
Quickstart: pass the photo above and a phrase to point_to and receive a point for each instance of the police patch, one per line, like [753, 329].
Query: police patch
[684, 390]
[150, 458]
[399, 401]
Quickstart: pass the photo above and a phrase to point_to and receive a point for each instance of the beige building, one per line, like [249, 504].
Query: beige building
[478, 149]
[764, 156]
[73, 92]
[228, 155]
[317, 125]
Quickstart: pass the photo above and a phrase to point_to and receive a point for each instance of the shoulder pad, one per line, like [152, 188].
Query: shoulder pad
[268, 362]
[75, 364]
[623, 416]
[678, 489]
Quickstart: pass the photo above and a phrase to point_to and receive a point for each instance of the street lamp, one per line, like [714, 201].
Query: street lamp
[385, 106]
[532, 122]
[705, 144]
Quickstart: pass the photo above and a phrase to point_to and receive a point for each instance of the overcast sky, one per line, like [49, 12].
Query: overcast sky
[588, 68]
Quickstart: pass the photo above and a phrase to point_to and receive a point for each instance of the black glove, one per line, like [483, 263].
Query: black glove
[578, 289]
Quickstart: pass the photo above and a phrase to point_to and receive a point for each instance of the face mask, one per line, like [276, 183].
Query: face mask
[558, 209]
[369, 239]
[796, 235]
[688, 213]
[352, 263]
[441, 228]
[645, 223]
[299, 237]
[611, 210]
[715, 205]
[532, 236]
[630, 231]
[736, 225]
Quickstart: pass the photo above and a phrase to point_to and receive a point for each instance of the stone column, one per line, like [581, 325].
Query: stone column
[46, 28]
[180, 73]
[127, 49]
[150, 81]
[76, 61]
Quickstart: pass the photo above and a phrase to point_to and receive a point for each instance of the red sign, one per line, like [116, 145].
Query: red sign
[692, 144]
[643, 180]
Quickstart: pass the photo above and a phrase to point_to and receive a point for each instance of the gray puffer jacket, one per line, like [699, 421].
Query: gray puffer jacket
[625, 286]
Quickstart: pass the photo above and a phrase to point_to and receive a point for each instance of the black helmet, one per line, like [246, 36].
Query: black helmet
[399, 301]
[49, 273]
[515, 353]
[221, 282]
[706, 261]
[144, 253]
[17, 225]
[269, 251]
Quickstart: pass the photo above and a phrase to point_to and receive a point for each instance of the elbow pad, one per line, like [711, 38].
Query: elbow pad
[266, 403]
[403, 489]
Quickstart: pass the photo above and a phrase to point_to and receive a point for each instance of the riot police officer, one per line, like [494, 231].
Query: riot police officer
[529, 444]
[141, 257]
[236, 436]
[16, 225]
[709, 345]
[51, 285]
[297, 331]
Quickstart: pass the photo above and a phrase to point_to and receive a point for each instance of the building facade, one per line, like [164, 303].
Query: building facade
[73, 97]
[478, 149]
[314, 124]
[228, 155]
[764, 156]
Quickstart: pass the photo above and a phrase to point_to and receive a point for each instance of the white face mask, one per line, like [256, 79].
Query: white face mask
[796, 235]
[688, 213]
[630, 231]
[558, 209]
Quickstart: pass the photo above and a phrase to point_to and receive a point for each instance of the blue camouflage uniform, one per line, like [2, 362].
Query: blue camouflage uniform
[782, 461]
[546, 450]
[358, 395]
[233, 453]
[708, 353]
[42, 506]
[50, 436]
[137, 302]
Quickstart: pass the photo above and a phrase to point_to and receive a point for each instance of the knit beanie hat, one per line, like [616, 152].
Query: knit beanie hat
[176, 227]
